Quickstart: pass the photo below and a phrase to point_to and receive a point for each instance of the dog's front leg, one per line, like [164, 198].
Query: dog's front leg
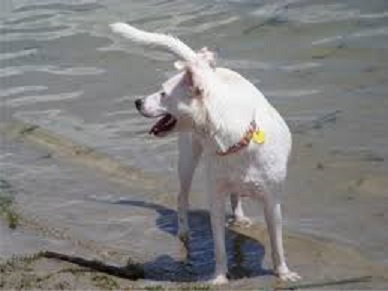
[189, 153]
[273, 217]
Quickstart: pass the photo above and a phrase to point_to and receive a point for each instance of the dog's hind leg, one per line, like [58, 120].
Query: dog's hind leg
[189, 153]
[273, 217]
[217, 219]
[238, 218]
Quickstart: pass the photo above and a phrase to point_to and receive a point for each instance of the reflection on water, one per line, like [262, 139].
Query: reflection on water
[61, 67]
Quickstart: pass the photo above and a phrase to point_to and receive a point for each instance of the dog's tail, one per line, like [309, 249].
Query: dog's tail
[163, 41]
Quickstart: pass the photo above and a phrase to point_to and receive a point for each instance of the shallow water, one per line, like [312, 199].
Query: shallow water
[323, 64]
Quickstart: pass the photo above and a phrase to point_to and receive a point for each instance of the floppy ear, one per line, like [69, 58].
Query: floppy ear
[195, 80]
[188, 78]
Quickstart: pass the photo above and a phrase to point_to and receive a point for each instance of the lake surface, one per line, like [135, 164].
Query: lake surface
[323, 64]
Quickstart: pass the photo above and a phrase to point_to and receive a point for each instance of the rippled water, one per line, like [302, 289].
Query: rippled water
[322, 63]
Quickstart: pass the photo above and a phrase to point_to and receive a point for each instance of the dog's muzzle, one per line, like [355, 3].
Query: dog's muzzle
[163, 125]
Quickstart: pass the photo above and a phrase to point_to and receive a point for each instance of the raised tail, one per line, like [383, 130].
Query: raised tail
[163, 41]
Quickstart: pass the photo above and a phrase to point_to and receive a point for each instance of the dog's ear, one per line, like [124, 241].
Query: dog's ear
[195, 80]
[189, 78]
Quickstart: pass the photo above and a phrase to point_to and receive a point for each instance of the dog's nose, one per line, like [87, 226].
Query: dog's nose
[138, 104]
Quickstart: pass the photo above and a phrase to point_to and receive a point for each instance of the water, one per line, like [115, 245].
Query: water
[323, 64]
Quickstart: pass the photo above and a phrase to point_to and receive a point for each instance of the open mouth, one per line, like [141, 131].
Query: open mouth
[164, 125]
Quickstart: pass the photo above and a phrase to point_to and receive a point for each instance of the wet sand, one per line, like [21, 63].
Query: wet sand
[125, 237]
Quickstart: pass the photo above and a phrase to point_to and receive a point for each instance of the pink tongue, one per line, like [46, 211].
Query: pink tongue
[164, 124]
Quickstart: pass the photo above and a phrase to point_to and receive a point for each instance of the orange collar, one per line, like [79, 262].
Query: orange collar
[242, 143]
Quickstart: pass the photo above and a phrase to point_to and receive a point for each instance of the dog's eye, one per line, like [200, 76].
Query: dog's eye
[163, 94]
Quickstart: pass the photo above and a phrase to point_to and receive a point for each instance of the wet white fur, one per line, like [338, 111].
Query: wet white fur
[214, 108]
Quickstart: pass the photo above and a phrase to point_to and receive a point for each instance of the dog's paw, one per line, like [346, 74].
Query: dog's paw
[240, 221]
[183, 236]
[288, 276]
[219, 280]
[183, 232]
[184, 239]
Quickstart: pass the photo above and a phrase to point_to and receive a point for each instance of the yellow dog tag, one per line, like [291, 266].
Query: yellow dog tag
[258, 136]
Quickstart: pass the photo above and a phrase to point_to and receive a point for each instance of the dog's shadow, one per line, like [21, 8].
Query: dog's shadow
[245, 255]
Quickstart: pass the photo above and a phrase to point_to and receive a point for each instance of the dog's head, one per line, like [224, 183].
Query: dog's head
[179, 102]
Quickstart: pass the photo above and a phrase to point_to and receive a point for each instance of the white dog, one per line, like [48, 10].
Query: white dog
[225, 118]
